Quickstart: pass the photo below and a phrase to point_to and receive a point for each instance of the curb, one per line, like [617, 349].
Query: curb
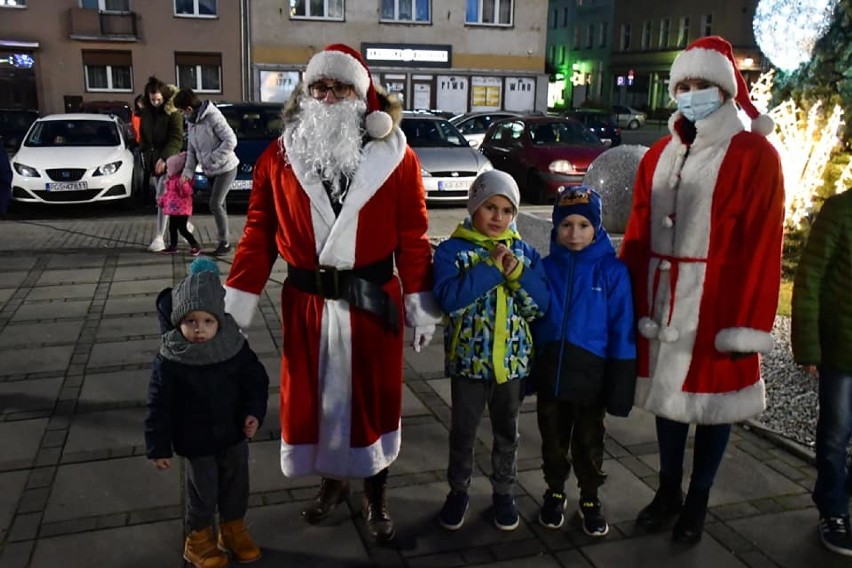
[799, 450]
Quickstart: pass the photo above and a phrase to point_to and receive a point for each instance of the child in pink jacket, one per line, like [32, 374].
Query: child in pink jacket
[176, 202]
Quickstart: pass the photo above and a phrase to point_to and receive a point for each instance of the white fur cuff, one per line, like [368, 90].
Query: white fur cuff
[241, 305]
[421, 309]
[743, 340]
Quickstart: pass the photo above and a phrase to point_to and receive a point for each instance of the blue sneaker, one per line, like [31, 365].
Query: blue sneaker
[505, 512]
[551, 514]
[835, 534]
[454, 509]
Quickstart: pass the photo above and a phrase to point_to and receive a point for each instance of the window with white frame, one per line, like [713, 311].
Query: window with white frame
[108, 71]
[106, 5]
[646, 34]
[683, 32]
[604, 32]
[317, 9]
[13, 3]
[196, 8]
[707, 24]
[417, 11]
[665, 29]
[201, 72]
[625, 37]
[488, 12]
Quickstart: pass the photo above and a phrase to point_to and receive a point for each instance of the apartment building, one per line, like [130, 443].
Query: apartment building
[452, 55]
[56, 54]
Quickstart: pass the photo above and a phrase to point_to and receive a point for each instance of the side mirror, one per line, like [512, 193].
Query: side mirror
[472, 143]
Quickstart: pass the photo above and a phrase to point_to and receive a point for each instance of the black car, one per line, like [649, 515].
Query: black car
[14, 123]
[256, 126]
[601, 123]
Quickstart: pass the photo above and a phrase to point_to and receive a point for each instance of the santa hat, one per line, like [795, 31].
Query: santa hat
[341, 62]
[712, 58]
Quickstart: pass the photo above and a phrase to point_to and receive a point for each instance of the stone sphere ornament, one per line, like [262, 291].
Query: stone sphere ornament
[612, 175]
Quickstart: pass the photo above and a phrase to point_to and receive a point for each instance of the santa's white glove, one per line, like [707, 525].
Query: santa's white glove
[422, 336]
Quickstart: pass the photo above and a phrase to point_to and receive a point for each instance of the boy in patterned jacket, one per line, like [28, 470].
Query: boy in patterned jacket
[491, 285]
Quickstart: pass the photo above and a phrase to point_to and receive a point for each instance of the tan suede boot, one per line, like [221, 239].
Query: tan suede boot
[200, 550]
[234, 538]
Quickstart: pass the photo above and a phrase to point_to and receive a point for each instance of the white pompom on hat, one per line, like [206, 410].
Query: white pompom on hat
[344, 64]
[712, 58]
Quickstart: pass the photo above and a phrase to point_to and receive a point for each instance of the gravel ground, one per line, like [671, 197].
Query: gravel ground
[791, 395]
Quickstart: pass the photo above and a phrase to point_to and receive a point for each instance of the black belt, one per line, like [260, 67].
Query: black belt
[361, 287]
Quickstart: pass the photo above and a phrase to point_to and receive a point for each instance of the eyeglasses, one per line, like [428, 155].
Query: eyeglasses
[320, 90]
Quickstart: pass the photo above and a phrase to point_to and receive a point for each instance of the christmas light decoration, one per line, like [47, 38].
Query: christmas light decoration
[786, 30]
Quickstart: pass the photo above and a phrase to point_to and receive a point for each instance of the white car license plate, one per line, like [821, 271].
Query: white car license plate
[453, 184]
[241, 184]
[67, 186]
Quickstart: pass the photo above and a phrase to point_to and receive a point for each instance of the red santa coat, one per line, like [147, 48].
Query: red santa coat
[341, 369]
[703, 245]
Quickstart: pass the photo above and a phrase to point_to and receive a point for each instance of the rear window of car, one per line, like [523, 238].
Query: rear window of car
[254, 122]
[561, 134]
[421, 132]
[55, 133]
[597, 118]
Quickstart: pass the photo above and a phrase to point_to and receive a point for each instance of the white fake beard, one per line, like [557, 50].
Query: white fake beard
[327, 139]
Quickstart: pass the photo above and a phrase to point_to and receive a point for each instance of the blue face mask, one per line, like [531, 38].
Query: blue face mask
[697, 105]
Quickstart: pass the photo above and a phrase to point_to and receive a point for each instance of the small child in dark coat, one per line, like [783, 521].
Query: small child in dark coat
[207, 396]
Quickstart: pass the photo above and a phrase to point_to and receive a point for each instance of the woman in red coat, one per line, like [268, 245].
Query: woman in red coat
[703, 245]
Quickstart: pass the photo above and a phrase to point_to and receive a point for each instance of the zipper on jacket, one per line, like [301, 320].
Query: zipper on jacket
[568, 290]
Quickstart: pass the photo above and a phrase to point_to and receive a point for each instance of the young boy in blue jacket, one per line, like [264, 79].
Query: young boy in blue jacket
[586, 355]
[491, 285]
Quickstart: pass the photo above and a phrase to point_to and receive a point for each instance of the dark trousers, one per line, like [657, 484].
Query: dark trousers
[834, 427]
[469, 399]
[218, 481]
[177, 224]
[579, 428]
[710, 443]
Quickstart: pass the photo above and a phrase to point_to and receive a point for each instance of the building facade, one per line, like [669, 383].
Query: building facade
[449, 55]
[57, 54]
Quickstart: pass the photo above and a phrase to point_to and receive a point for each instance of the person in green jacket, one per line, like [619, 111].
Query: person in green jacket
[822, 345]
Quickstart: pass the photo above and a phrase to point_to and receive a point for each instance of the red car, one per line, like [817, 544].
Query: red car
[542, 153]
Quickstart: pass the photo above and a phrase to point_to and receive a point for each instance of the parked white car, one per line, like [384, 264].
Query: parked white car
[75, 158]
[628, 117]
[474, 124]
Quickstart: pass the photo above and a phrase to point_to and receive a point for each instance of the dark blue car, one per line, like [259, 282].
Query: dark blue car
[256, 126]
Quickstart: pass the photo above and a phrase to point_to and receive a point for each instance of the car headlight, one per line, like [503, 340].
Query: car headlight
[562, 167]
[107, 169]
[485, 167]
[26, 171]
[424, 173]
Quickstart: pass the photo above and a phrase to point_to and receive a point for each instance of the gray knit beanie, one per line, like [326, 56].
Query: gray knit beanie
[492, 182]
[199, 291]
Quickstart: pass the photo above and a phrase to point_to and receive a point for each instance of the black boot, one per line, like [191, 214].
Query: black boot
[666, 504]
[375, 508]
[690, 524]
[331, 493]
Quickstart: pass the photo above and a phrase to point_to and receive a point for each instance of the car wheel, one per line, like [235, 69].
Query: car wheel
[634, 124]
[536, 190]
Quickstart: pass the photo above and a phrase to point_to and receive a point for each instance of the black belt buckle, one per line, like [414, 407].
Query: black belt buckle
[328, 282]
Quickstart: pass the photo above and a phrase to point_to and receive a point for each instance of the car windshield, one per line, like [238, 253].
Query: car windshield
[561, 134]
[431, 133]
[254, 122]
[51, 133]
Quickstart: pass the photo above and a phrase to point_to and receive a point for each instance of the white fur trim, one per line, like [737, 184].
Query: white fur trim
[669, 334]
[340, 66]
[713, 408]
[743, 340]
[378, 124]
[763, 125]
[241, 305]
[299, 460]
[421, 309]
[648, 328]
[707, 64]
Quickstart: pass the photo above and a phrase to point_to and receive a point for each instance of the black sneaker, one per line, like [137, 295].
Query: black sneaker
[223, 248]
[505, 512]
[594, 523]
[835, 534]
[454, 509]
[551, 515]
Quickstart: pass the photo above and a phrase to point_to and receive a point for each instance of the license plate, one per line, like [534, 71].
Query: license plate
[241, 184]
[453, 184]
[67, 186]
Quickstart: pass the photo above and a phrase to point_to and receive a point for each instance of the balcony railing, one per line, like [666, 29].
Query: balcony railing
[92, 24]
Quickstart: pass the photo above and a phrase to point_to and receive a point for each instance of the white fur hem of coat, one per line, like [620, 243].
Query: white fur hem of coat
[703, 408]
[743, 340]
[421, 309]
[307, 459]
[241, 305]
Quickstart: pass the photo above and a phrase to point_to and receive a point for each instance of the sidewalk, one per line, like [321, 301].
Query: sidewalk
[78, 332]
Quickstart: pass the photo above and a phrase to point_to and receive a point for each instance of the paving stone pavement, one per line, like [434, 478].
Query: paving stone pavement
[78, 331]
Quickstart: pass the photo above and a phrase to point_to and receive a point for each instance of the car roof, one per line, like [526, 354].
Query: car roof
[78, 116]
[220, 104]
[421, 114]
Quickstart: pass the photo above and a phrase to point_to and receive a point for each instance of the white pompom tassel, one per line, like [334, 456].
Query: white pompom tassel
[379, 124]
[648, 328]
[763, 124]
[668, 223]
[668, 334]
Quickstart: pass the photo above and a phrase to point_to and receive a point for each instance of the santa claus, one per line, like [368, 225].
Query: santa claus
[340, 198]
[703, 245]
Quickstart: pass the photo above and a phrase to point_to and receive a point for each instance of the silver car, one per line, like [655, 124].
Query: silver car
[628, 117]
[447, 162]
[474, 124]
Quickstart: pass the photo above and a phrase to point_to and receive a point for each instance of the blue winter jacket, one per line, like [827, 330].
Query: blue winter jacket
[586, 343]
[466, 286]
